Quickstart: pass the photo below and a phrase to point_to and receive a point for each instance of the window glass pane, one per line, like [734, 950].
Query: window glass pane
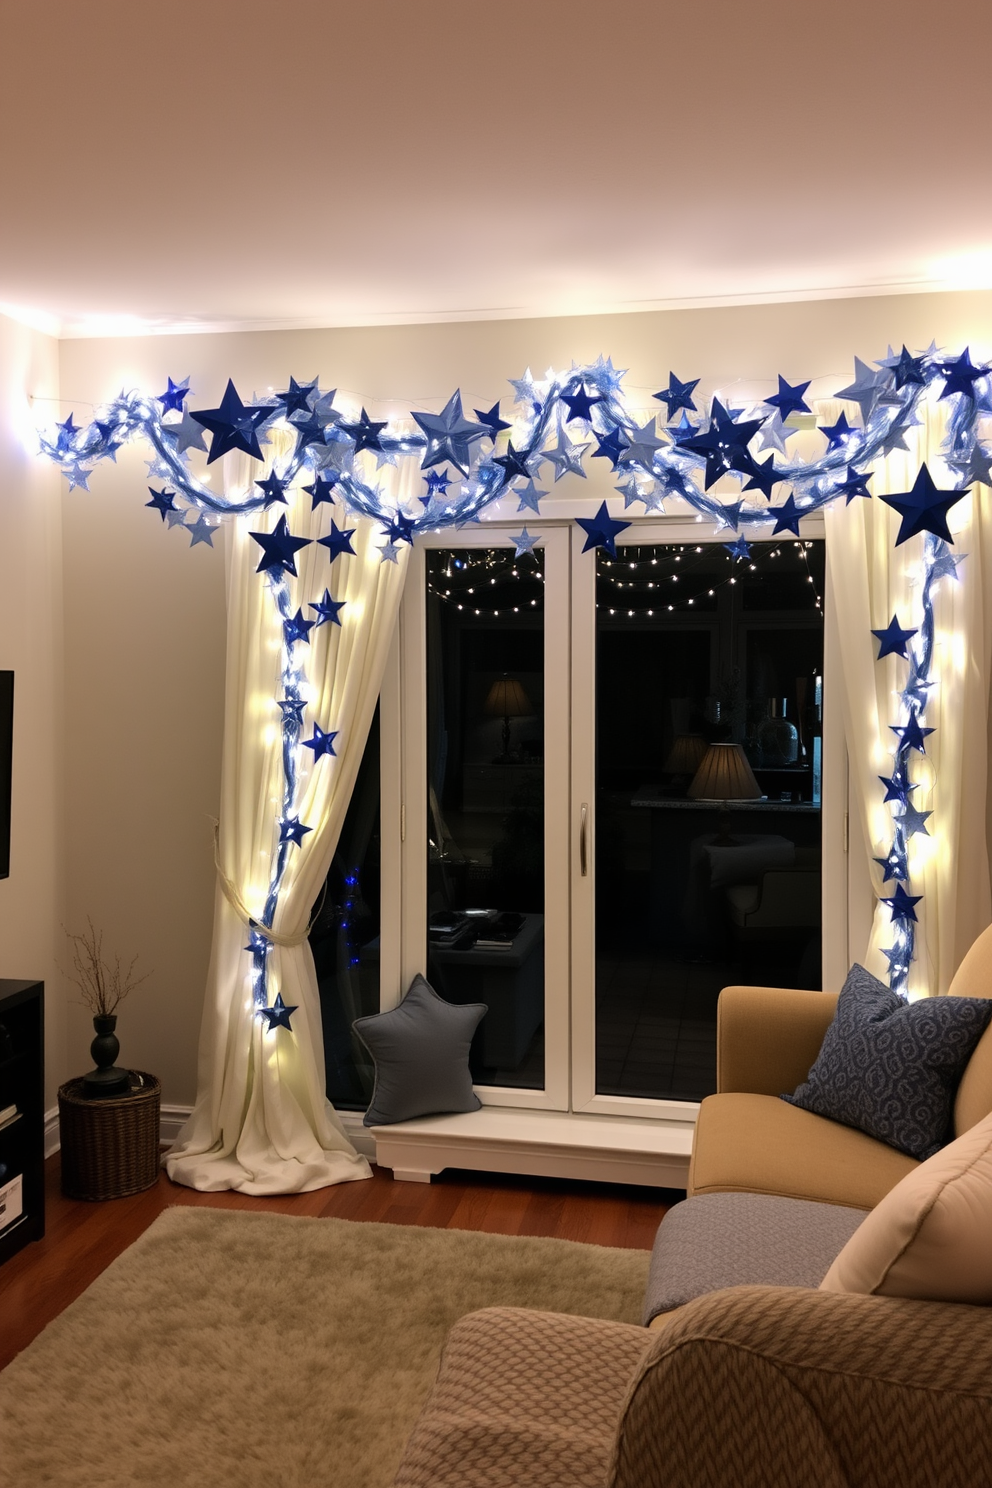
[344, 938]
[485, 849]
[697, 886]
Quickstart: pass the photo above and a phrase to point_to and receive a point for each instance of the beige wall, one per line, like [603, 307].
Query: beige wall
[144, 614]
[32, 898]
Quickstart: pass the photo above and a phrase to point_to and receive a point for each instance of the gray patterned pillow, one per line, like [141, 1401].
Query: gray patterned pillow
[891, 1068]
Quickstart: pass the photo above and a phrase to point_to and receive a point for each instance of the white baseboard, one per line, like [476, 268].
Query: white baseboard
[549, 1144]
[52, 1142]
[173, 1118]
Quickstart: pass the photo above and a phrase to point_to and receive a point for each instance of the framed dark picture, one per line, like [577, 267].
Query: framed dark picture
[6, 760]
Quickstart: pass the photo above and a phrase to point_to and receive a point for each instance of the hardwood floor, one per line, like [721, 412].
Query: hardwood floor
[82, 1239]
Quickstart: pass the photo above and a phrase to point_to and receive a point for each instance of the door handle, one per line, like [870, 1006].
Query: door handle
[584, 839]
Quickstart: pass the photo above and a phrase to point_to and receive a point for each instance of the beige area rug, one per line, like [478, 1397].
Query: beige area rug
[229, 1349]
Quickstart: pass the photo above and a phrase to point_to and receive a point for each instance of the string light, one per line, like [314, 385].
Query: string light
[334, 451]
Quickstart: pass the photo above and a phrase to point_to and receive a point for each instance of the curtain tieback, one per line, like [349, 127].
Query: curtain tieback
[236, 902]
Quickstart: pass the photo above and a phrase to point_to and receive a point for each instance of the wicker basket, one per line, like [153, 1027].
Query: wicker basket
[110, 1146]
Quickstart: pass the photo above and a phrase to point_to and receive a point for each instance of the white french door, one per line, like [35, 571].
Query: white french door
[450, 784]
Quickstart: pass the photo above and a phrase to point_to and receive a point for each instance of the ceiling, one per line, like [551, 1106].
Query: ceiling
[208, 164]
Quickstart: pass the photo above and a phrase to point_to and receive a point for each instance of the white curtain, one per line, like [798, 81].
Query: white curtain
[262, 1123]
[872, 581]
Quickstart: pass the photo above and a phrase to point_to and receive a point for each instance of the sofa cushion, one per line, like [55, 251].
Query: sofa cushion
[890, 1068]
[734, 1239]
[420, 1051]
[758, 1144]
[930, 1237]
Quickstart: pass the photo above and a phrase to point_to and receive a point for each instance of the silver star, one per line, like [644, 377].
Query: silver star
[176, 517]
[389, 553]
[201, 532]
[565, 456]
[866, 388]
[530, 498]
[773, 434]
[641, 446]
[523, 542]
[977, 469]
[188, 434]
[77, 475]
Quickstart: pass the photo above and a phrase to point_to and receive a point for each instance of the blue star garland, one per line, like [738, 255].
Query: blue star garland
[328, 446]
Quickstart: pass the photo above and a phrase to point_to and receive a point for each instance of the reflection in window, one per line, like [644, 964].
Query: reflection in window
[485, 850]
[344, 938]
[707, 863]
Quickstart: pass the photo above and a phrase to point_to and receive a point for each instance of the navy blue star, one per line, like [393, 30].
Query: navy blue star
[789, 399]
[610, 447]
[273, 488]
[338, 540]
[901, 904]
[163, 501]
[601, 531]
[856, 484]
[763, 477]
[893, 866]
[327, 609]
[892, 640]
[924, 508]
[322, 489]
[960, 376]
[66, 437]
[297, 629]
[321, 743]
[738, 549]
[724, 444]
[112, 445]
[450, 435]
[896, 789]
[787, 516]
[837, 433]
[232, 425]
[401, 529]
[908, 370]
[174, 397]
[292, 711]
[913, 821]
[258, 944]
[580, 403]
[677, 395]
[278, 1015]
[910, 735]
[492, 421]
[291, 829]
[309, 431]
[366, 434]
[296, 398]
[279, 549]
[514, 463]
[438, 482]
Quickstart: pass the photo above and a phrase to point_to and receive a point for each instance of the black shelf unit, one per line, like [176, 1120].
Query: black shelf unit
[22, 1140]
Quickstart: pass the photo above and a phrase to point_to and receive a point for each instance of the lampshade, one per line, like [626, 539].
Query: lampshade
[686, 755]
[507, 699]
[724, 775]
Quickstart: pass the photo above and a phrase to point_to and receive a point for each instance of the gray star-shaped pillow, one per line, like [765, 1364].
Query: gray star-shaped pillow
[420, 1050]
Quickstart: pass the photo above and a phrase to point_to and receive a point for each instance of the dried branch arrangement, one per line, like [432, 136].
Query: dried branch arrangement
[103, 983]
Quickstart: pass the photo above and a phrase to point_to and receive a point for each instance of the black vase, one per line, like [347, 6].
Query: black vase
[106, 1079]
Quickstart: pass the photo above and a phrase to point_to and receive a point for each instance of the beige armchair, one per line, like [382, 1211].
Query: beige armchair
[749, 1141]
[752, 1386]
